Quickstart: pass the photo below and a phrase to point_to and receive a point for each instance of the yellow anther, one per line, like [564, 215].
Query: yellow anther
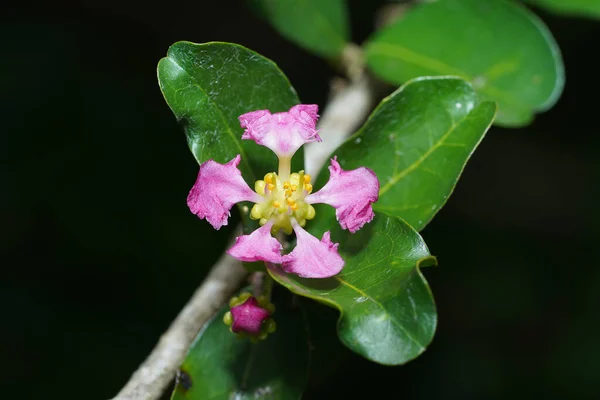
[283, 201]
[259, 187]
[295, 178]
[310, 212]
[256, 212]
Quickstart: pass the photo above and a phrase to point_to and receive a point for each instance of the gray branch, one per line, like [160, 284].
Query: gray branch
[158, 370]
[349, 105]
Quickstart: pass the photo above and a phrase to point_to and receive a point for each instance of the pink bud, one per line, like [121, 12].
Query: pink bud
[248, 317]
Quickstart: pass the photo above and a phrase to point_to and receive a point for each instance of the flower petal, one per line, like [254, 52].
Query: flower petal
[283, 132]
[217, 188]
[312, 258]
[351, 193]
[257, 246]
[248, 317]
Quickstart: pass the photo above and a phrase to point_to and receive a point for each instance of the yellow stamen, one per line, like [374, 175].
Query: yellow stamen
[259, 187]
[283, 201]
[310, 212]
[256, 212]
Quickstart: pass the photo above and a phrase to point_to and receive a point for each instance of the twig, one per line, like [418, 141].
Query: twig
[157, 371]
[349, 105]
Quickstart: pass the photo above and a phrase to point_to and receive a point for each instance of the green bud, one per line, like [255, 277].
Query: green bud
[227, 318]
[270, 325]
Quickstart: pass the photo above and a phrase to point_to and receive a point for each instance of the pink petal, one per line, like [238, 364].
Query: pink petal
[217, 188]
[248, 317]
[257, 246]
[312, 258]
[306, 113]
[351, 193]
[283, 132]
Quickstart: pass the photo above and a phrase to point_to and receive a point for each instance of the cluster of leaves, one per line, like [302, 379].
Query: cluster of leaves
[464, 64]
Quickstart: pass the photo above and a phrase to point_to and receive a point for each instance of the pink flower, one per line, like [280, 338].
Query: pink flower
[283, 200]
[248, 317]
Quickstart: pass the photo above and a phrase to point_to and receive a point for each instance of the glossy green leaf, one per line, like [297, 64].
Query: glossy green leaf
[208, 86]
[584, 8]
[417, 141]
[221, 366]
[503, 49]
[387, 312]
[320, 26]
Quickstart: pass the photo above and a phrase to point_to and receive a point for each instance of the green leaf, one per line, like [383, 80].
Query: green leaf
[507, 53]
[584, 8]
[317, 25]
[208, 86]
[417, 141]
[221, 366]
[387, 312]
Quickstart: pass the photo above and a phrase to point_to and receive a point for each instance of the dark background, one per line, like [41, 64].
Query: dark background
[99, 251]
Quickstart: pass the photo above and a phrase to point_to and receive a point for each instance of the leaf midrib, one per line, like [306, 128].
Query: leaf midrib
[325, 21]
[396, 178]
[392, 318]
[220, 113]
[441, 68]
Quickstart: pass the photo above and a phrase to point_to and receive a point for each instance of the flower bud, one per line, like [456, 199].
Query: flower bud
[250, 317]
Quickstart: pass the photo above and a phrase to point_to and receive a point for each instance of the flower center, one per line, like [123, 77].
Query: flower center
[283, 200]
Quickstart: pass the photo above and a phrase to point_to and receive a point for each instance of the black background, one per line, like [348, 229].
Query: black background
[99, 251]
